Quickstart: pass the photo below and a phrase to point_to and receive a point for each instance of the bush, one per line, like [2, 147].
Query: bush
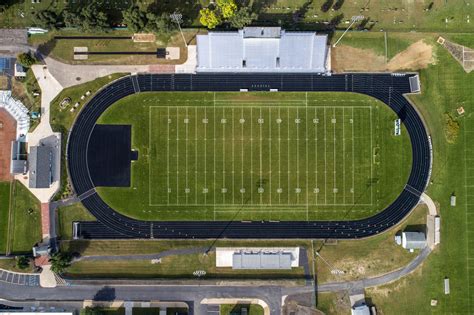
[22, 262]
[60, 261]
[26, 59]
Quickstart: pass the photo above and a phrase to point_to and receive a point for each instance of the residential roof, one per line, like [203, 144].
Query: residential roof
[40, 166]
[261, 260]
[413, 240]
[260, 49]
[360, 310]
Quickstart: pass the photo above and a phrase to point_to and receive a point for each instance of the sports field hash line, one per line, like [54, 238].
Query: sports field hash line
[260, 156]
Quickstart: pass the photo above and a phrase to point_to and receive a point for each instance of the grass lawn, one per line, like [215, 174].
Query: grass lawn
[63, 49]
[445, 86]
[26, 220]
[368, 257]
[67, 215]
[171, 267]
[176, 310]
[259, 156]
[10, 264]
[232, 309]
[4, 207]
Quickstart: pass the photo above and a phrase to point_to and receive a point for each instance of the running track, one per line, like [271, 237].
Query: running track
[111, 225]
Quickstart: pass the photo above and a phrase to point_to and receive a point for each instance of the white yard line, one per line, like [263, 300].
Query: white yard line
[195, 154]
[297, 156]
[270, 153]
[353, 170]
[334, 154]
[177, 156]
[186, 156]
[316, 154]
[233, 159]
[261, 162]
[242, 154]
[325, 160]
[343, 158]
[223, 155]
[214, 170]
[467, 223]
[288, 153]
[251, 154]
[307, 171]
[205, 155]
[279, 156]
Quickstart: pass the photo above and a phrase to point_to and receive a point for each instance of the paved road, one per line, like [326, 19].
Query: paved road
[192, 294]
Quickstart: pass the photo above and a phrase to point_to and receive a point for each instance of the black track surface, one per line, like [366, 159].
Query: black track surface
[111, 224]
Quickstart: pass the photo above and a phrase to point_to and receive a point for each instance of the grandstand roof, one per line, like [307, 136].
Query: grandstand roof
[262, 49]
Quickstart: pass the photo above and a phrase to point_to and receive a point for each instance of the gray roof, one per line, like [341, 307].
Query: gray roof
[274, 51]
[40, 166]
[413, 240]
[261, 260]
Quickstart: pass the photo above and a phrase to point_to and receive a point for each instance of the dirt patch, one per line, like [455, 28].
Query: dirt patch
[417, 56]
[346, 59]
[7, 135]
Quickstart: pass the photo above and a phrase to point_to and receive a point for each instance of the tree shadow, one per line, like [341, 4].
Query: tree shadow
[45, 49]
[105, 294]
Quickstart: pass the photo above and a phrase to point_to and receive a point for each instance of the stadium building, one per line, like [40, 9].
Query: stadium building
[263, 49]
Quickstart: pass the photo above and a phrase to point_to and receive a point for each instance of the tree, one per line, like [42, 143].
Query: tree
[227, 8]
[47, 19]
[92, 311]
[209, 18]
[71, 19]
[22, 262]
[60, 261]
[243, 17]
[93, 19]
[135, 19]
[26, 59]
[161, 24]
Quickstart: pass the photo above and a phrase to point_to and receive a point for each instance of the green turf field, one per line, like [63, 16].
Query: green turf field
[259, 156]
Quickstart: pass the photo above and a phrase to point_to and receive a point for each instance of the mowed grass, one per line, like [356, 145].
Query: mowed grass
[68, 215]
[4, 208]
[259, 156]
[26, 220]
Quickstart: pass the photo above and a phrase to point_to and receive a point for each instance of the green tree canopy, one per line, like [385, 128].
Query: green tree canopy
[209, 18]
[161, 24]
[60, 261]
[26, 59]
[135, 19]
[243, 17]
[47, 19]
[227, 8]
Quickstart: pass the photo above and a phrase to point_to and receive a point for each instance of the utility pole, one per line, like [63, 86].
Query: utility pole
[178, 18]
[354, 19]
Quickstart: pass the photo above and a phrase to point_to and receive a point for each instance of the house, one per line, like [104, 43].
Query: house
[263, 49]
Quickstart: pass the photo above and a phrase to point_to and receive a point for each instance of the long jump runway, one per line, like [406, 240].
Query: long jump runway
[388, 88]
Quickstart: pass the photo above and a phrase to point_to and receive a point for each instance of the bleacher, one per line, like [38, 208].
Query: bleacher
[18, 111]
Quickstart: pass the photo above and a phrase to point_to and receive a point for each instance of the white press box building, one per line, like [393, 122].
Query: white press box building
[263, 49]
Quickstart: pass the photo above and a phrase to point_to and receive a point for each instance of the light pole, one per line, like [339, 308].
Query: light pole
[334, 271]
[178, 18]
[354, 19]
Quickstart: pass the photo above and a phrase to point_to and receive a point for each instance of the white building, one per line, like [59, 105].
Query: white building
[257, 258]
[413, 240]
[263, 49]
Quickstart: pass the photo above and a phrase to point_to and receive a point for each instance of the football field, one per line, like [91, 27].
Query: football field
[225, 155]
